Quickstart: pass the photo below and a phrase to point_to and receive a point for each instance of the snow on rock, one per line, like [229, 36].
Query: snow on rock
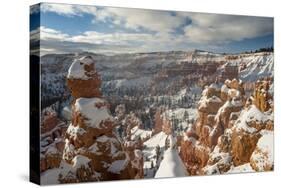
[52, 150]
[247, 131]
[77, 69]
[94, 149]
[74, 131]
[82, 78]
[136, 132]
[50, 176]
[158, 139]
[249, 115]
[262, 158]
[245, 168]
[66, 113]
[51, 138]
[171, 165]
[118, 165]
[255, 66]
[219, 162]
[91, 143]
[79, 160]
[94, 110]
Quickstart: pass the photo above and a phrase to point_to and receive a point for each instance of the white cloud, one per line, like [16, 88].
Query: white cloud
[204, 28]
[35, 34]
[67, 9]
[215, 28]
[52, 34]
[152, 30]
[57, 41]
[159, 21]
[111, 38]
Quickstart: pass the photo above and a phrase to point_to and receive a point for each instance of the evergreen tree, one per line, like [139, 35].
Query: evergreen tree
[152, 165]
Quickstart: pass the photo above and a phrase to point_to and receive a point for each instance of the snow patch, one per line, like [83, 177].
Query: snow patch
[171, 165]
[77, 70]
[88, 108]
[248, 115]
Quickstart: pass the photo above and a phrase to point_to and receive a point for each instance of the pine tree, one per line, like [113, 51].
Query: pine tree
[157, 151]
[167, 143]
[186, 115]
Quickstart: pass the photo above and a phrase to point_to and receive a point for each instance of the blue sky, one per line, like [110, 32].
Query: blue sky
[108, 30]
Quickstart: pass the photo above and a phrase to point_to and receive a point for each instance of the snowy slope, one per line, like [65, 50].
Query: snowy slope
[158, 139]
[149, 152]
[136, 132]
[257, 66]
[171, 165]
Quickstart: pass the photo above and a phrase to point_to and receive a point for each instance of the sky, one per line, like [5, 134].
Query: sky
[76, 28]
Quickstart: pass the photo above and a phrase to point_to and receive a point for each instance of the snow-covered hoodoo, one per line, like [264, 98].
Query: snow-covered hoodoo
[231, 133]
[51, 139]
[92, 150]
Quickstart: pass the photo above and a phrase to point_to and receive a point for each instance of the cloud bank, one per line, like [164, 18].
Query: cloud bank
[148, 30]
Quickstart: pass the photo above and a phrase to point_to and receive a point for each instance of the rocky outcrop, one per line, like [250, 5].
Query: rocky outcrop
[162, 122]
[262, 159]
[82, 76]
[217, 108]
[167, 126]
[262, 97]
[229, 71]
[193, 154]
[158, 120]
[246, 133]
[51, 139]
[134, 150]
[130, 121]
[228, 131]
[92, 150]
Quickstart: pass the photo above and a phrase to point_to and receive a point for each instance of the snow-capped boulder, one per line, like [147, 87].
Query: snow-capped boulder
[82, 76]
[246, 133]
[262, 159]
[218, 163]
[232, 88]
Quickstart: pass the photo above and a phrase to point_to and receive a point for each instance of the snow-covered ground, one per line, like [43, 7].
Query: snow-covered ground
[149, 153]
[171, 165]
[241, 169]
[257, 66]
[139, 133]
